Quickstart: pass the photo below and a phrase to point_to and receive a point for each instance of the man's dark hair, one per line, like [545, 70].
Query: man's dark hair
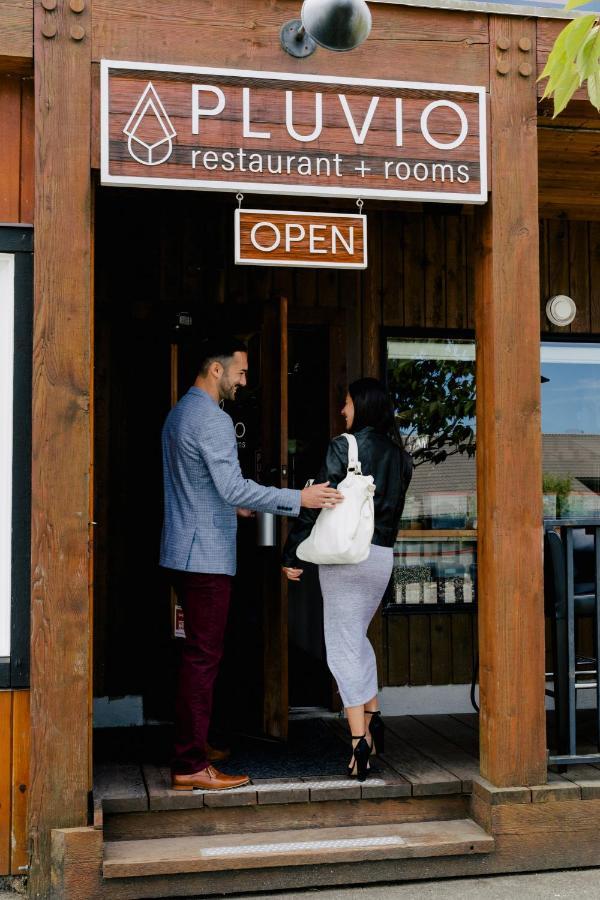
[219, 348]
[373, 406]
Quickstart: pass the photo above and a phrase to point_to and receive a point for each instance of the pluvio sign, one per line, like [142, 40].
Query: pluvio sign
[275, 132]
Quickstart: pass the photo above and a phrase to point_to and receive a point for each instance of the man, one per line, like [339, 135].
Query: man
[203, 489]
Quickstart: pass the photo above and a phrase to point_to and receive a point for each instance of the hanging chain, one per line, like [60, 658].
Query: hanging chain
[360, 204]
[239, 197]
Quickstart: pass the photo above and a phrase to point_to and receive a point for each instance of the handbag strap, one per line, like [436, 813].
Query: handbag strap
[353, 460]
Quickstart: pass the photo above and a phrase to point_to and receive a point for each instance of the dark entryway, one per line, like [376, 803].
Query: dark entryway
[164, 277]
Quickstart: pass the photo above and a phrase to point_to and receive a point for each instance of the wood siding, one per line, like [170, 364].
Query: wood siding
[570, 264]
[14, 780]
[402, 44]
[568, 171]
[16, 149]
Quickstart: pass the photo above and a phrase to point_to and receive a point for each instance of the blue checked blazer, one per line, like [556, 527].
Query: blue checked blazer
[203, 485]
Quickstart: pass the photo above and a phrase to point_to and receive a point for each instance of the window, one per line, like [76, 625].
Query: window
[571, 428]
[16, 267]
[7, 305]
[432, 382]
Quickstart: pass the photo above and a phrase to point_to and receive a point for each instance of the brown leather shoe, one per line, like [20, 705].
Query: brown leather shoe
[215, 754]
[209, 779]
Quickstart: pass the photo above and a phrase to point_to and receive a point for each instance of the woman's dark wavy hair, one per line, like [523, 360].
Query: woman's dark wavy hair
[373, 407]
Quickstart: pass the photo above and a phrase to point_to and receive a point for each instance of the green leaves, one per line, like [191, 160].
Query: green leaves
[574, 59]
[594, 89]
[586, 61]
[576, 34]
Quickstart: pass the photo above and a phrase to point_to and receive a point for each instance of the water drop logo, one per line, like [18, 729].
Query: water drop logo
[149, 130]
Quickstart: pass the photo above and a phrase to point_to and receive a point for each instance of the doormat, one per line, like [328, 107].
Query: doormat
[312, 749]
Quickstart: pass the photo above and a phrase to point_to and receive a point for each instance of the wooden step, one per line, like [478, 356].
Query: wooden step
[305, 846]
[274, 817]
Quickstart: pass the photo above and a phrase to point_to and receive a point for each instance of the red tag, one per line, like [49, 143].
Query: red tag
[178, 622]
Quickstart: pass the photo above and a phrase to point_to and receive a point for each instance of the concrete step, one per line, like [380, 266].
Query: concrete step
[296, 847]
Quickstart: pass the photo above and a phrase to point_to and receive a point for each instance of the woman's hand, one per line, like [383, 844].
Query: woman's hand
[292, 574]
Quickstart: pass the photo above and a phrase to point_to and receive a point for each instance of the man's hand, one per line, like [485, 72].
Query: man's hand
[292, 574]
[245, 513]
[320, 496]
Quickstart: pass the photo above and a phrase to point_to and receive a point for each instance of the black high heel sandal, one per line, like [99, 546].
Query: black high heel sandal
[376, 730]
[361, 753]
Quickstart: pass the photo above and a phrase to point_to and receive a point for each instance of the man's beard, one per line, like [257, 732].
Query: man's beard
[228, 391]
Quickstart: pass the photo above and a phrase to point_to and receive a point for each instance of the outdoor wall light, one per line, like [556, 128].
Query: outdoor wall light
[561, 310]
[333, 24]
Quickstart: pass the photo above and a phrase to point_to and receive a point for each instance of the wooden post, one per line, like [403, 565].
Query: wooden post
[60, 621]
[509, 472]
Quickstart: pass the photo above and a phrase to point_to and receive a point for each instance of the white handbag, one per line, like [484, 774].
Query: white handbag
[342, 535]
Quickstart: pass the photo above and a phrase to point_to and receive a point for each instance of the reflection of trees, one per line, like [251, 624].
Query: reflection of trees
[561, 487]
[435, 407]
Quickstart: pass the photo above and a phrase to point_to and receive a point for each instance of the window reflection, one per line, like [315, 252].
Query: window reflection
[432, 382]
[571, 429]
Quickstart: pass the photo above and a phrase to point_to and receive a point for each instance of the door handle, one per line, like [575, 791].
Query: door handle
[265, 529]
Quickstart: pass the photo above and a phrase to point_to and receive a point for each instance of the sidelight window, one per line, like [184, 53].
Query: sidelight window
[432, 382]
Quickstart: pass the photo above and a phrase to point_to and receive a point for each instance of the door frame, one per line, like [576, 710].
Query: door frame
[275, 604]
[335, 320]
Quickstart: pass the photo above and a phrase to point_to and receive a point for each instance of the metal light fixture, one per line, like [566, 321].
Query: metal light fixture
[334, 24]
[561, 310]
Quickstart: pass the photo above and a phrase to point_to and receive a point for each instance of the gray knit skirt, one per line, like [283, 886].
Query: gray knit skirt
[351, 595]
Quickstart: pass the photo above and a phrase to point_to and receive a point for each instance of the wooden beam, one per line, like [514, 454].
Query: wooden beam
[509, 472]
[245, 35]
[60, 621]
[16, 35]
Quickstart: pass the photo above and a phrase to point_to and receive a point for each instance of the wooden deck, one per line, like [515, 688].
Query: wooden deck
[426, 756]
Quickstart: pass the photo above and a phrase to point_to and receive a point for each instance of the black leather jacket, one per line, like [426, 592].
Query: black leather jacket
[391, 469]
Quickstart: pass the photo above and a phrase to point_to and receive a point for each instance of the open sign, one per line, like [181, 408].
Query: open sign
[283, 238]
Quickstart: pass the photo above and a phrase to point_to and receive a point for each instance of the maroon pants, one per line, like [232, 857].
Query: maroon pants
[205, 602]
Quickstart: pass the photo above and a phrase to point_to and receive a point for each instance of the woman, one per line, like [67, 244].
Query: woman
[352, 593]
